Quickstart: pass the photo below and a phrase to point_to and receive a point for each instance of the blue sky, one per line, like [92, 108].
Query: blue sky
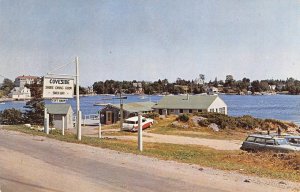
[148, 40]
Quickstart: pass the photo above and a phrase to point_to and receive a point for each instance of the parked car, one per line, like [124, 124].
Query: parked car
[293, 140]
[131, 124]
[258, 142]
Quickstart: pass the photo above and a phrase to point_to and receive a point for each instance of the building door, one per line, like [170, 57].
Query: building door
[160, 111]
[108, 117]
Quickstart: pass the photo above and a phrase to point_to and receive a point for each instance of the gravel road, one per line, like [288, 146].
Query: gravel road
[33, 163]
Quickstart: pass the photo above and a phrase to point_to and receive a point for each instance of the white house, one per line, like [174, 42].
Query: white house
[57, 111]
[180, 104]
[212, 90]
[21, 81]
[20, 93]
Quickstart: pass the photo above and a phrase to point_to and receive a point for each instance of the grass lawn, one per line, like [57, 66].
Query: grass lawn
[270, 165]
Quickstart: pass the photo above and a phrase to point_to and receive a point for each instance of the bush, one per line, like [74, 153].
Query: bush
[245, 122]
[203, 123]
[152, 115]
[11, 117]
[183, 118]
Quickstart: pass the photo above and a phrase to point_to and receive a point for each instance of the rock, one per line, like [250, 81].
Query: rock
[27, 125]
[197, 119]
[282, 183]
[185, 126]
[247, 181]
[214, 127]
[175, 124]
[200, 169]
[179, 125]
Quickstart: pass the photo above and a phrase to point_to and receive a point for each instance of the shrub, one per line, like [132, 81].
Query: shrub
[203, 123]
[152, 115]
[183, 118]
[11, 117]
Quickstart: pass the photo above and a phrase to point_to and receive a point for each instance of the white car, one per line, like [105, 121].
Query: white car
[131, 124]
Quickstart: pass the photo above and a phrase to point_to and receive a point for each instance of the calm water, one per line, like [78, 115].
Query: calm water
[284, 107]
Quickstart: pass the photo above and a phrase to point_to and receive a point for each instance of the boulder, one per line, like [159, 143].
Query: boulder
[214, 127]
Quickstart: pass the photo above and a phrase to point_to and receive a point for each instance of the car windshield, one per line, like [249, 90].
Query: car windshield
[281, 142]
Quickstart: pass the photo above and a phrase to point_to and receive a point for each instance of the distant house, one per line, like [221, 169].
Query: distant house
[212, 90]
[272, 87]
[20, 93]
[111, 112]
[280, 86]
[138, 88]
[180, 104]
[21, 81]
[57, 111]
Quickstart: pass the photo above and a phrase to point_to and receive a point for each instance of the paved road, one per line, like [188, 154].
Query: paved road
[31, 163]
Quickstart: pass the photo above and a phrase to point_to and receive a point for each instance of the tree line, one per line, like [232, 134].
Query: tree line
[180, 86]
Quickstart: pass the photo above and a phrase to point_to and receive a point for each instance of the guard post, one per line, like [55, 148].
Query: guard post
[140, 133]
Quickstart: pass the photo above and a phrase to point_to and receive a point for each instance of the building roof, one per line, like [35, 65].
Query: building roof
[27, 77]
[58, 109]
[136, 106]
[184, 102]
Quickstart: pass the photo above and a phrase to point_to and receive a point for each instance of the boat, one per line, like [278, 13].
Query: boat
[143, 97]
[101, 104]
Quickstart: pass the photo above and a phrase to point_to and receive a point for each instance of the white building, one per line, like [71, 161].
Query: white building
[58, 111]
[21, 81]
[212, 90]
[20, 93]
[180, 104]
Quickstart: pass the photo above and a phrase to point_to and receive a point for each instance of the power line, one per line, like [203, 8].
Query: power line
[60, 67]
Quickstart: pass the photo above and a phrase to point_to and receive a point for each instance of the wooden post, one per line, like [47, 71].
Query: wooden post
[63, 125]
[140, 133]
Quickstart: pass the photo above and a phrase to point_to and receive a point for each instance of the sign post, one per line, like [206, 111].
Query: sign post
[77, 101]
[59, 88]
[46, 121]
[63, 125]
[100, 134]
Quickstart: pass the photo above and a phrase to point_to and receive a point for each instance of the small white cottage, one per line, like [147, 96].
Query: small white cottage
[57, 111]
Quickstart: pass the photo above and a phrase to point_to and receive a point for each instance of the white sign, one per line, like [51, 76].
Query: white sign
[58, 87]
[58, 100]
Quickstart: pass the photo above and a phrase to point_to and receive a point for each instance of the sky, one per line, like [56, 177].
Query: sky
[151, 39]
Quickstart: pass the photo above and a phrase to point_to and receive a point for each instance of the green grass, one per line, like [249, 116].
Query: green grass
[260, 164]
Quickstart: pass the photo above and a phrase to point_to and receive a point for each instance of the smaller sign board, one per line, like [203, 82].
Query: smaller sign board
[58, 87]
[58, 100]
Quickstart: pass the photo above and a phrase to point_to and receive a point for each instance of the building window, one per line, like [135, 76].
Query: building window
[211, 110]
[190, 111]
[222, 110]
[180, 110]
[199, 110]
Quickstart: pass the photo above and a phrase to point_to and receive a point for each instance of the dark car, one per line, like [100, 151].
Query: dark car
[258, 142]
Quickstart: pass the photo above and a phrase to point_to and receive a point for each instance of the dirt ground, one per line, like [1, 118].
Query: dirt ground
[159, 138]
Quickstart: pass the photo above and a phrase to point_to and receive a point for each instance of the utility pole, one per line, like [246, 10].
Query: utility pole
[78, 112]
